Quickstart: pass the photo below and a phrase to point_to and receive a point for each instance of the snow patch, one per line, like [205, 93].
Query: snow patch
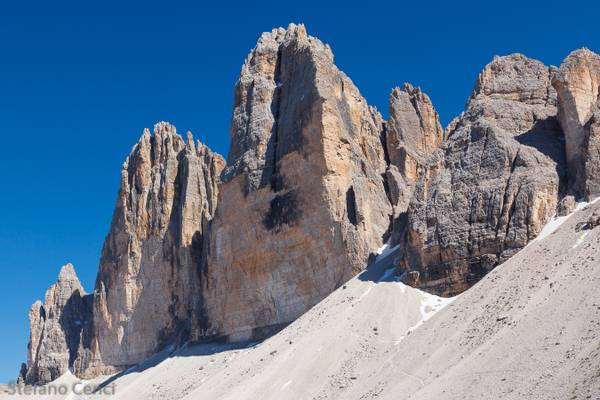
[581, 239]
[385, 250]
[430, 305]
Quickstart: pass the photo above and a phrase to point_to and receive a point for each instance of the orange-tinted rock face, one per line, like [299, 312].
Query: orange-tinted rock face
[578, 83]
[303, 202]
[316, 182]
[148, 287]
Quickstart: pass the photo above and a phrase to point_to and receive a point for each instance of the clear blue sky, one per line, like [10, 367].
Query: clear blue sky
[80, 80]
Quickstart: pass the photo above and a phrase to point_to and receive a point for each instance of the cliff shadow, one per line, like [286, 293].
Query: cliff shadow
[74, 319]
[379, 268]
[188, 350]
[547, 137]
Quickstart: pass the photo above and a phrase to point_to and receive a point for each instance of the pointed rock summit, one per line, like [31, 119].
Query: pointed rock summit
[148, 286]
[304, 202]
[56, 329]
[413, 133]
[577, 83]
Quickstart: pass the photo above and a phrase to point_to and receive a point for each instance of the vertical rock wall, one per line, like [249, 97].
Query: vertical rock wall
[315, 183]
[148, 286]
[577, 83]
[303, 204]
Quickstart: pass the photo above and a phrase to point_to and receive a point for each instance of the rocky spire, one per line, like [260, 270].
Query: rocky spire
[148, 286]
[304, 203]
[577, 83]
[56, 329]
[413, 132]
[495, 182]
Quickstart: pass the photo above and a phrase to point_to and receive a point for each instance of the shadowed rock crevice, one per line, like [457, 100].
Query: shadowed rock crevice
[283, 210]
[351, 206]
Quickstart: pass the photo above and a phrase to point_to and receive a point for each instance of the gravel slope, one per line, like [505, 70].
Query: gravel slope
[528, 330]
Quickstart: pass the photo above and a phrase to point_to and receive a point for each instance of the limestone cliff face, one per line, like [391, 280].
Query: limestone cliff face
[493, 185]
[577, 83]
[413, 132]
[148, 286]
[303, 203]
[56, 329]
[315, 183]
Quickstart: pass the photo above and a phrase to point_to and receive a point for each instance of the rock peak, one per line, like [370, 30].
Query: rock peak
[67, 272]
[148, 281]
[296, 31]
[496, 183]
[304, 179]
[577, 83]
[515, 77]
[162, 128]
[56, 327]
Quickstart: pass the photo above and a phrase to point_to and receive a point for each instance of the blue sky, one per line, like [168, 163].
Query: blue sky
[80, 80]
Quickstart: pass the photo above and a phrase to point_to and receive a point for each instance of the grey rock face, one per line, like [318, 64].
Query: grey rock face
[577, 83]
[494, 183]
[303, 204]
[56, 328]
[148, 287]
[413, 132]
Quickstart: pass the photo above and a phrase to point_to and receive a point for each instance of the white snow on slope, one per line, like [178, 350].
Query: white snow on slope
[556, 221]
